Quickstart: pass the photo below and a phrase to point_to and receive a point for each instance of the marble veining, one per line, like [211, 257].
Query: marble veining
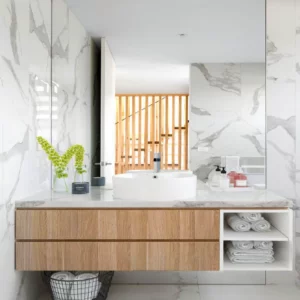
[13, 32]
[199, 111]
[287, 124]
[37, 25]
[254, 140]
[258, 93]
[229, 82]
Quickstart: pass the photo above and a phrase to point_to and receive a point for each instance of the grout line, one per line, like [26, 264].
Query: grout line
[51, 86]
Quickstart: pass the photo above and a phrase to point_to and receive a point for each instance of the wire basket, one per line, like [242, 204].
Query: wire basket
[93, 288]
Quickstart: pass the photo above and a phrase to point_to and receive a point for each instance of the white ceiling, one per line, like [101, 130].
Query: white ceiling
[149, 54]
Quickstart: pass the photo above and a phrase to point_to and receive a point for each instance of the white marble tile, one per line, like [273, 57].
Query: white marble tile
[283, 112]
[249, 292]
[154, 292]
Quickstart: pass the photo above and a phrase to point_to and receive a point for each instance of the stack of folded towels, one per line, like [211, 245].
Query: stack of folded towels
[247, 221]
[249, 252]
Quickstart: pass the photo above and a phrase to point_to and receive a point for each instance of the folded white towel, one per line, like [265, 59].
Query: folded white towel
[251, 252]
[237, 224]
[264, 245]
[83, 289]
[249, 259]
[261, 225]
[241, 245]
[250, 217]
[60, 289]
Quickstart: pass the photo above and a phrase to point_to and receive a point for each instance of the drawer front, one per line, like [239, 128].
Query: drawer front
[117, 224]
[118, 256]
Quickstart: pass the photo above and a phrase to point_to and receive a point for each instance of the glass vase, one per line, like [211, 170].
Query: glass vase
[60, 185]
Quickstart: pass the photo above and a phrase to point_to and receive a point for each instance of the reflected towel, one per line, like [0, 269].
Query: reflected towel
[264, 245]
[250, 217]
[249, 259]
[237, 224]
[261, 225]
[83, 289]
[61, 289]
[241, 245]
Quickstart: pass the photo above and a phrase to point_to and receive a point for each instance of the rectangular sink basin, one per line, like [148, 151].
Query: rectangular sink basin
[150, 186]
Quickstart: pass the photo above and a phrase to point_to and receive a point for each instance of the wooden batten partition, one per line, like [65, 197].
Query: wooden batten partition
[151, 123]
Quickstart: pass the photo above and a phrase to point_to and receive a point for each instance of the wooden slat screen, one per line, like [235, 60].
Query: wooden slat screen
[151, 123]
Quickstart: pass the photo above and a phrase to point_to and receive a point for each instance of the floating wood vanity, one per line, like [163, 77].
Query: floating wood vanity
[117, 239]
[129, 239]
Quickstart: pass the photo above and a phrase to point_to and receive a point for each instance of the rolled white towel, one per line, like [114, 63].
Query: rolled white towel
[60, 289]
[242, 245]
[264, 245]
[261, 225]
[85, 289]
[237, 224]
[250, 217]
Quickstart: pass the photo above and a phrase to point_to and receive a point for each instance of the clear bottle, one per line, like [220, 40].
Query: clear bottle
[215, 181]
[224, 180]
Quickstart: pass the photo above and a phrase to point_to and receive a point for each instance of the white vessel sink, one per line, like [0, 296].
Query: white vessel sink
[150, 186]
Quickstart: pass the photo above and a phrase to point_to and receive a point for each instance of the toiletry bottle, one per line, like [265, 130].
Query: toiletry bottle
[224, 180]
[215, 181]
[232, 176]
[156, 162]
[240, 180]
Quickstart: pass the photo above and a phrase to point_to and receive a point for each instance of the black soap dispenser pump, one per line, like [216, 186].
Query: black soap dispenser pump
[223, 171]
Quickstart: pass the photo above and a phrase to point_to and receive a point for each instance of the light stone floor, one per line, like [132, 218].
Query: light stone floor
[204, 292]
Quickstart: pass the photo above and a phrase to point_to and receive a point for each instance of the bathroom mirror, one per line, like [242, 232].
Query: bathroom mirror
[227, 117]
[191, 85]
[226, 88]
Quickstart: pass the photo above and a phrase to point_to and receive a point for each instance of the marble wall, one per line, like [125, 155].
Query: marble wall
[283, 106]
[26, 85]
[227, 115]
[72, 77]
[25, 64]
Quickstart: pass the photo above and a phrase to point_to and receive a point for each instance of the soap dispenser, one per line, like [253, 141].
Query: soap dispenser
[224, 180]
[215, 180]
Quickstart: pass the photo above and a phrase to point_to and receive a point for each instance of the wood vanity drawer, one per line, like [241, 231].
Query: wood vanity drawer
[119, 256]
[117, 224]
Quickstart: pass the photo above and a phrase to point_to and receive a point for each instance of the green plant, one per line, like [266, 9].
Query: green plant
[60, 162]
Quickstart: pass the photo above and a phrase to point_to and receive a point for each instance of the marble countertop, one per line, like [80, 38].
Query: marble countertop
[102, 197]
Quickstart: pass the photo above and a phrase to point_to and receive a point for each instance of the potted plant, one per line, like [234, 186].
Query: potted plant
[60, 163]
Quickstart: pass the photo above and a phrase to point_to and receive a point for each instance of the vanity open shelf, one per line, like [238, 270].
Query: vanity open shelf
[273, 235]
[281, 234]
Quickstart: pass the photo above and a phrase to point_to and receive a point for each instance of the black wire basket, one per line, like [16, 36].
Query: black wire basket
[93, 288]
